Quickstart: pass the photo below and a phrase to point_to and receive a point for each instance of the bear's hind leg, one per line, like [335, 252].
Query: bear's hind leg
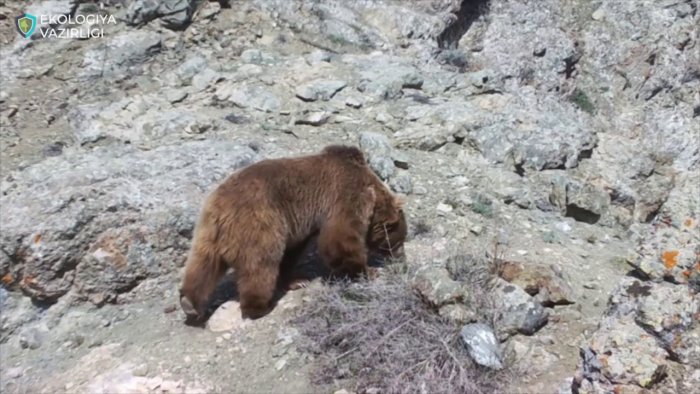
[257, 276]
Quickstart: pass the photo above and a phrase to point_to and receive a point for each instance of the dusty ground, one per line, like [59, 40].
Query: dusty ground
[140, 342]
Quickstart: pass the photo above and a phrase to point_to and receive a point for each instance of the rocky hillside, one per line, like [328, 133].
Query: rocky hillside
[557, 140]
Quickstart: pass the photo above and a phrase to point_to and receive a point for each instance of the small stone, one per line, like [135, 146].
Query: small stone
[227, 336]
[343, 391]
[14, 373]
[383, 117]
[204, 79]
[255, 56]
[249, 96]
[52, 150]
[482, 345]
[317, 118]
[140, 370]
[95, 343]
[318, 56]
[209, 10]
[319, 89]
[402, 184]
[420, 190]
[476, 229]
[598, 14]
[280, 364]
[175, 95]
[400, 159]
[30, 339]
[443, 208]
[353, 102]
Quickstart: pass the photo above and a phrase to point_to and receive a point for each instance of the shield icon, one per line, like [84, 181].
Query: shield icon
[26, 24]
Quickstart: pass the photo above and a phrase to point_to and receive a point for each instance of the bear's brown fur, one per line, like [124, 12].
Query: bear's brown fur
[260, 212]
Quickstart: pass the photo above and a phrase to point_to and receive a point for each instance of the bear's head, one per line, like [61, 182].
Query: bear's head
[388, 228]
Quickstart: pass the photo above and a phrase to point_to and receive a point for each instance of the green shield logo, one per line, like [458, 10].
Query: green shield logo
[26, 24]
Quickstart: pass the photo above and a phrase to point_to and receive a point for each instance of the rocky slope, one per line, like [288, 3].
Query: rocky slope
[560, 138]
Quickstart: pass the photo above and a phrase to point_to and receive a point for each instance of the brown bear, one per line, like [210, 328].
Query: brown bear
[268, 208]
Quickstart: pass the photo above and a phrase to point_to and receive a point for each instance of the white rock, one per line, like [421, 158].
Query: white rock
[226, 318]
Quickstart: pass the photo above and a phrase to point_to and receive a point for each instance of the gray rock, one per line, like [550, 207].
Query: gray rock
[55, 149]
[204, 79]
[23, 311]
[319, 89]
[548, 285]
[401, 183]
[625, 354]
[174, 14]
[121, 54]
[388, 80]
[668, 308]
[256, 56]
[503, 129]
[210, 9]
[318, 56]
[353, 102]
[437, 287]
[401, 160]
[516, 311]
[100, 222]
[30, 338]
[529, 355]
[668, 311]
[249, 96]
[136, 119]
[192, 66]
[14, 372]
[482, 345]
[141, 11]
[669, 248]
[51, 7]
[378, 152]
[175, 95]
[332, 24]
[315, 118]
[583, 202]
[686, 347]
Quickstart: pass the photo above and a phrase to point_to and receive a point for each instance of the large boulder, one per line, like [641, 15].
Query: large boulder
[102, 221]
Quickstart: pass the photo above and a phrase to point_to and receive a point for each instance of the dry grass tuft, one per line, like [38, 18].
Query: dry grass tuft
[380, 335]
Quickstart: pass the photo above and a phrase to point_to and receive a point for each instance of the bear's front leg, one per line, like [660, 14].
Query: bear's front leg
[342, 240]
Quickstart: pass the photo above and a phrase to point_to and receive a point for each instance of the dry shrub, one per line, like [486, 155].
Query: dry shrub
[380, 335]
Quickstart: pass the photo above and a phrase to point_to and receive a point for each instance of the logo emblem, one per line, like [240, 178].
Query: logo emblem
[26, 24]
